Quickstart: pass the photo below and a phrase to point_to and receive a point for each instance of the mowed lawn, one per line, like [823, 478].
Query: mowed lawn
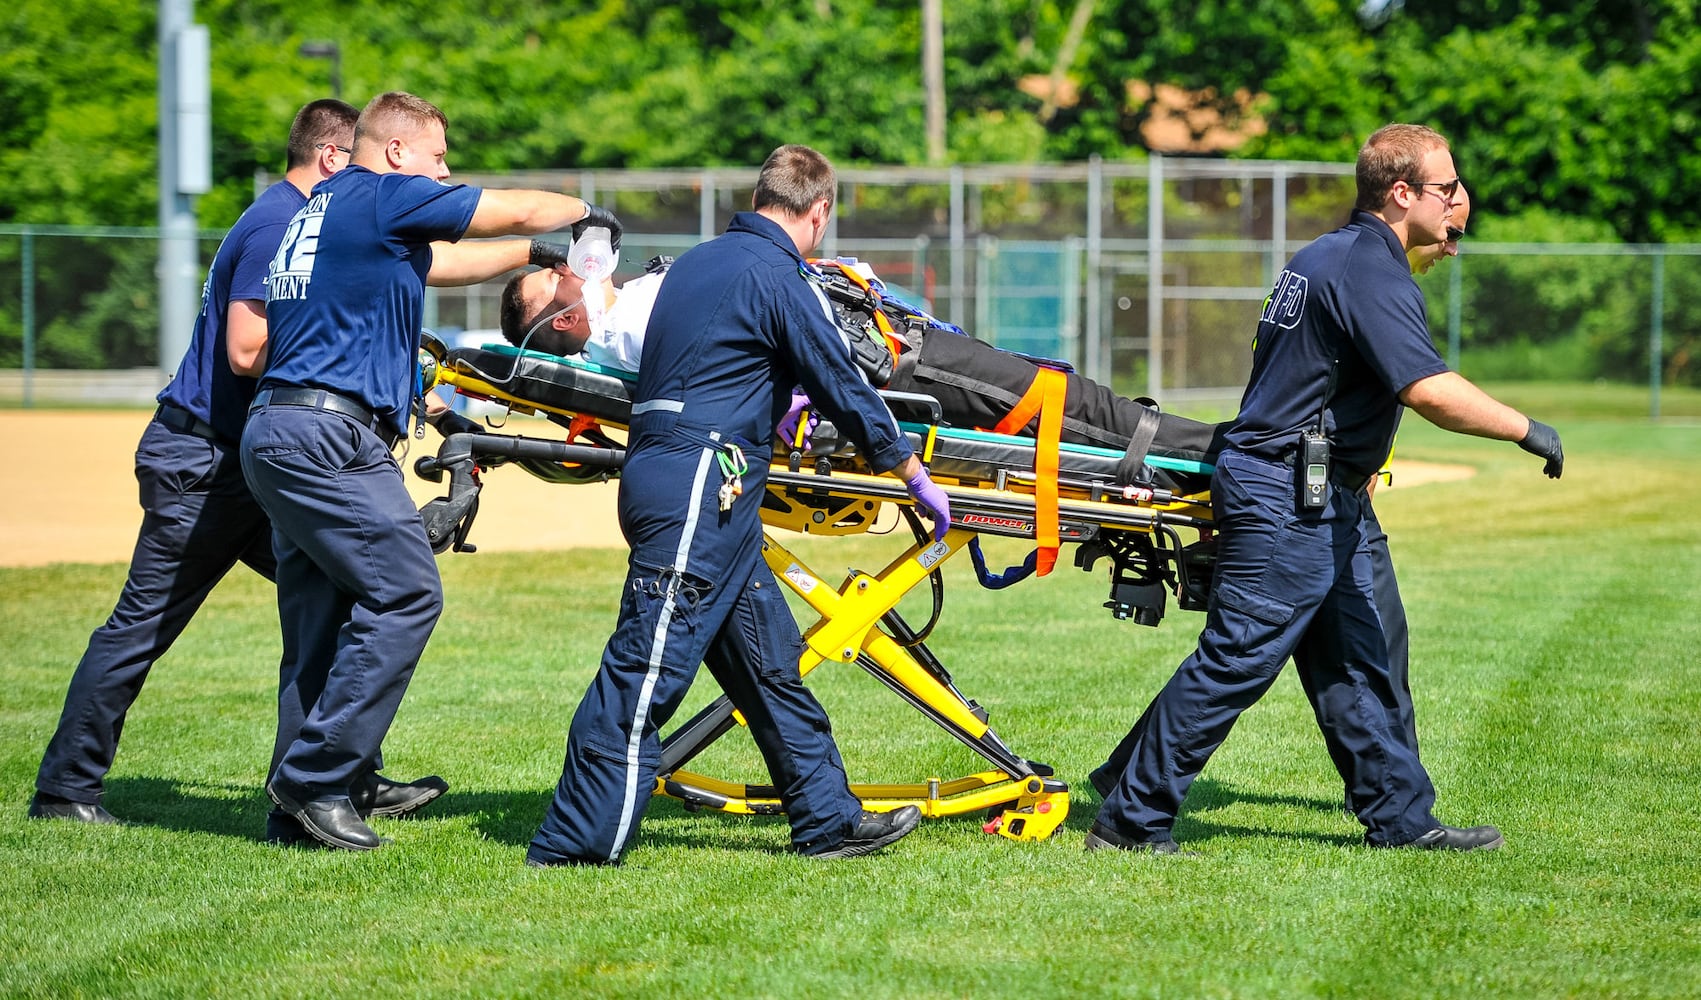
[1555, 636]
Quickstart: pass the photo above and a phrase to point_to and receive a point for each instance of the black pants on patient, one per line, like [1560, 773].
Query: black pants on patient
[978, 384]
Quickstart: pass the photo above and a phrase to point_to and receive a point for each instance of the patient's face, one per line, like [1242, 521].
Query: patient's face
[546, 293]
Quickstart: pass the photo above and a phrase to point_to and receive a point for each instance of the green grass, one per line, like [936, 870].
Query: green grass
[1554, 636]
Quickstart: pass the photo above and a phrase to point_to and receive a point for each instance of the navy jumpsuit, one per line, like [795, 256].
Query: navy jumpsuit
[737, 324]
[1295, 582]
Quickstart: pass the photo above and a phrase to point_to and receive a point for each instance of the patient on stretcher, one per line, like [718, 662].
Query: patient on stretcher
[1067, 461]
[898, 346]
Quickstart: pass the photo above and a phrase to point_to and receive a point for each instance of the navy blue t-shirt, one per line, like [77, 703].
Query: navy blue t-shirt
[346, 293]
[204, 384]
[1347, 297]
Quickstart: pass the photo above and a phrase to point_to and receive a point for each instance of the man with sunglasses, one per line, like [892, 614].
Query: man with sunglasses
[199, 519]
[1343, 342]
[1389, 606]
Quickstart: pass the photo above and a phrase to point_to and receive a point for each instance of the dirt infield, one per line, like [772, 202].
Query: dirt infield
[73, 496]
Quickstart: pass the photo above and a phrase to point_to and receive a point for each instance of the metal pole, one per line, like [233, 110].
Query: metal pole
[706, 209]
[1155, 276]
[588, 187]
[331, 51]
[28, 276]
[957, 246]
[1656, 336]
[918, 272]
[183, 171]
[1092, 361]
[985, 323]
[933, 76]
[1455, 310]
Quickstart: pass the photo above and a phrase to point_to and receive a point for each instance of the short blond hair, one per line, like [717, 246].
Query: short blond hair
[396, 114]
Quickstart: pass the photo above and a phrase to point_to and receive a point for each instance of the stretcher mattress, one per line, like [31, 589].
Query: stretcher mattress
[567, 387]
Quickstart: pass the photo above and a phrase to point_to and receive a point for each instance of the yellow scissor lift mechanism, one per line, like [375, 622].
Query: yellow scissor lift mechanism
[859, 622]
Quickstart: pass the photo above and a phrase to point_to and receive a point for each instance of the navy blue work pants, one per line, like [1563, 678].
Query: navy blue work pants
[1287, 584]
[697, 591]
[198, 521]
[1392, 611]
[358, 590]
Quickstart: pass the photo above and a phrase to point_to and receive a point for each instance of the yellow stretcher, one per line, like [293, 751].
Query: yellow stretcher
[827, 491]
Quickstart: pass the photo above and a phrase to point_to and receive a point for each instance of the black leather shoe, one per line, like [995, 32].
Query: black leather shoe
[377, 795]
[45, 806]
[329, 821]
[285, 830]
[1102, 838]
[1453, 838]
[876, 830]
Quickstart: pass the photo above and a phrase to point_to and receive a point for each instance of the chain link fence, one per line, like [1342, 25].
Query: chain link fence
[1147, 275]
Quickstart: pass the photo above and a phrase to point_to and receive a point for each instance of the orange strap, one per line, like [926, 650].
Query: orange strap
[1045, 397]
[580, 424]
[1023, 412]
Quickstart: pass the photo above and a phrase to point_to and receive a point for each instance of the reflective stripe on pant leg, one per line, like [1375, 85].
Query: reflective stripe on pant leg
[657, 648]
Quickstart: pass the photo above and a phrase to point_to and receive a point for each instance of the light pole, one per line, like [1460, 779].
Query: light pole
[333, 52]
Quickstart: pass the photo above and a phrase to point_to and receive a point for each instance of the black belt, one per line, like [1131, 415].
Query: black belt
[179, 419]
[324, 399]
[1346, 479]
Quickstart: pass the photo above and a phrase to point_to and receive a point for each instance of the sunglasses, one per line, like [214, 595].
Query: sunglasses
[1447, 188]
[331, 145]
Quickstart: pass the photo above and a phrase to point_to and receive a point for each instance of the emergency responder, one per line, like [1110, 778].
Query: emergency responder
[1342, 342]
[738, 322]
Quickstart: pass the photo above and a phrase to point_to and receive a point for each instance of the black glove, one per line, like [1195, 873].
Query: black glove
[548, 254]
[596, 215]
[1543, 442]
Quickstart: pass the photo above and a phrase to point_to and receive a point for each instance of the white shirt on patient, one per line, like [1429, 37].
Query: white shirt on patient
[617, 334]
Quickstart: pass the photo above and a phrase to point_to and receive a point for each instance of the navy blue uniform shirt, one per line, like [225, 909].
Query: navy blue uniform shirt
[1347, 297]
[346, 293]
[204, 384]
[737, 323]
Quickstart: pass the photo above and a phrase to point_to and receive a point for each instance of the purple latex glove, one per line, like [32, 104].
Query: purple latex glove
[787, 429]
[932, 501]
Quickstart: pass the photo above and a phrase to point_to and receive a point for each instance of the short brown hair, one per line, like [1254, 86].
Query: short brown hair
[1393, 153]
[396, 113]
[793, 178]
[515, 319]
[512, 314]
[322, 122]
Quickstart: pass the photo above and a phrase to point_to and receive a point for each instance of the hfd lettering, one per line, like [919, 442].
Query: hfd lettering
[1287, 303]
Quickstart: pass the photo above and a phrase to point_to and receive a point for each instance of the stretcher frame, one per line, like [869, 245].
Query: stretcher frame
[825, 493]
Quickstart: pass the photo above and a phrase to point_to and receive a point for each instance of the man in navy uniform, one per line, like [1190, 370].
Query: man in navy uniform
[1390, 609]
[1342, 343]
[738, 322]
[358, 590]
[199, 519]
